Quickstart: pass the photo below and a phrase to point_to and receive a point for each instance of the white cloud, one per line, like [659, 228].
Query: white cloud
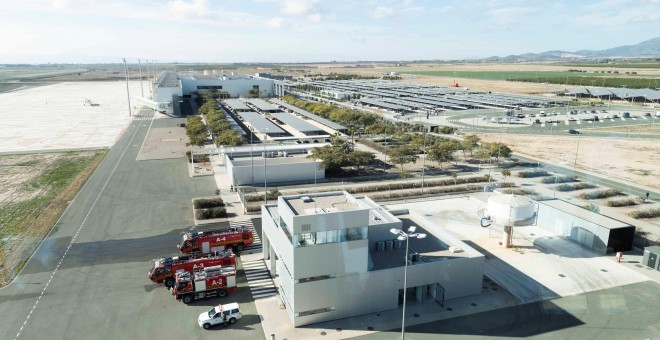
[298, 7]
[509, 16]
[276, 22]
[196, 9]
[382, 12]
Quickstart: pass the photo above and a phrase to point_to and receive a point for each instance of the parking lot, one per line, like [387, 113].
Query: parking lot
[53, 117]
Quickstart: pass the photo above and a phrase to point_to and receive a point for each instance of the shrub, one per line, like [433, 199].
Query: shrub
[573, 187]
[591, 207]
[600, 194]
[559, 179]
[533, 173]
[648, 213]
[624, 202]
[204, 203]
[517, 191]
[205, 214]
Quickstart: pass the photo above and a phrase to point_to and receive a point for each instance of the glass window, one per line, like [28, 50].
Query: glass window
[332, 236]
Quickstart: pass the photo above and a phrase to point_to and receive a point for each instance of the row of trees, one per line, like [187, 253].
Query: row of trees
[340, 153]
[216, 124]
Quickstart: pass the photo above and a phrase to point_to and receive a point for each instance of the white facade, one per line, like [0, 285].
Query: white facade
[250, 171]
[234, 85]
[325, 254]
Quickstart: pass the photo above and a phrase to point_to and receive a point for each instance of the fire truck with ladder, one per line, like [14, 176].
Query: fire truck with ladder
[165, 268]
[236, 238]
[210, 282]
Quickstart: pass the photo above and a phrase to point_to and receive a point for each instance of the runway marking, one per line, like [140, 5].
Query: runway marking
[79, 229]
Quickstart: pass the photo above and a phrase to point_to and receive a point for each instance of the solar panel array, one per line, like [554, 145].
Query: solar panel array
[310, 115]
[236, 104]
[260, 123]
[262, 105]
[295, 122]
[400, 96]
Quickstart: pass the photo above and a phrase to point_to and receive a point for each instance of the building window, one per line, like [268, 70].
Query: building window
[315, 278]
[330, 236]
[315, 311]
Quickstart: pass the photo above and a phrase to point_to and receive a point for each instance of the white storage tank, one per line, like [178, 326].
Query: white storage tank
[509, 209]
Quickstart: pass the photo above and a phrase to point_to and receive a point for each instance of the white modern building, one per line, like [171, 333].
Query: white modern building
[273, 168]
[169, 86]
[334, 256]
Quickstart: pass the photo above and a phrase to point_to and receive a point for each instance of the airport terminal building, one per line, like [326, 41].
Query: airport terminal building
[169, 87]
[335, 257]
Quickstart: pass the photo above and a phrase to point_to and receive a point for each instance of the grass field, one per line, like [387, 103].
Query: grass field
[31, 205]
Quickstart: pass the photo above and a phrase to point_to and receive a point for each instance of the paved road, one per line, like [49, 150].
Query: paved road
[88, 278]
[626, 312]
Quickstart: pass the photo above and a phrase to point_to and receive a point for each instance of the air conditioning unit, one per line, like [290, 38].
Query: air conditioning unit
[380, 246]
[455, 249]
[389, 245]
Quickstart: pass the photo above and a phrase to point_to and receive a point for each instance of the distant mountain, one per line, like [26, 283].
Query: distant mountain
[645, 49]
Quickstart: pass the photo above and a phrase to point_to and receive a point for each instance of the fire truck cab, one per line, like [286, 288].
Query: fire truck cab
[210, 282]
[235, 238]
[165, 268]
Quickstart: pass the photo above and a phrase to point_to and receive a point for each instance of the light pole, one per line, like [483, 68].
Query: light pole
[424, 153]
[265, 164]
[576, 155]
[251, 153]
[401, 236]
[128, 94]
[140, 68]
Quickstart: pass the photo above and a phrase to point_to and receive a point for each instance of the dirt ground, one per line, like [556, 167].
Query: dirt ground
[18, 174]
[633, 160]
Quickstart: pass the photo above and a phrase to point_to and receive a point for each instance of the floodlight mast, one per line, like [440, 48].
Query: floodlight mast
[406, 236]
[128, 94]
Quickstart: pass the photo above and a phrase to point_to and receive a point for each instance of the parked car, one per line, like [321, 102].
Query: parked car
[574, 132]
[607, 116]
[572, 119]
[626, 115]
[647, 114]
[603, 111]
[220, 314]
[615, 116]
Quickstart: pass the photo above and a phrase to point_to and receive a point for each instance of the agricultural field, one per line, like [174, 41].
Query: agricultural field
[36, 189]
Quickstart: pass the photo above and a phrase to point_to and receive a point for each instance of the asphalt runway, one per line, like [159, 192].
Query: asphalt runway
[88, 279]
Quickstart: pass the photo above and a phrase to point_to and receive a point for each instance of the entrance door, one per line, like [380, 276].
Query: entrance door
[652, 260]
[439, 294]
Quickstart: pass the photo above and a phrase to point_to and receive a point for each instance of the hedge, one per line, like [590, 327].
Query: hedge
[205, 214]
[573, 187]
[204, 203]
[387, 187]
[600, 194]
[648, 213]
[559, 179]
[533, 173]
[626, 202]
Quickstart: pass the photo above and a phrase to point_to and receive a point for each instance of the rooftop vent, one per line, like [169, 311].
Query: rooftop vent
[306, 199]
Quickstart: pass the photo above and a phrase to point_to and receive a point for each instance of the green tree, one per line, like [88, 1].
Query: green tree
[254, 93]
[442, 152]
[506, 173]
[498, 150]
[229, 137]
[403, 154]
[454, 176]
[469, 143]
[361, 158]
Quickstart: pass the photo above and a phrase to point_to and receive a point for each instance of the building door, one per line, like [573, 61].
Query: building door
[438, 293]
[653, 257]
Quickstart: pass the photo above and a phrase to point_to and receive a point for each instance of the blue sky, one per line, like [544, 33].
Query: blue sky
[83, 31]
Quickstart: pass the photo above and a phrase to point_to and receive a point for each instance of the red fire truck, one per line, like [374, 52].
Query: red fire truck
[236, 238]
[165, 268]
[207, 283]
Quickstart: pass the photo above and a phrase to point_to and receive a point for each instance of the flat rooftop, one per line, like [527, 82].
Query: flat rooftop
[585, 214]
[258, 160]
[321, 203]
[435, 247]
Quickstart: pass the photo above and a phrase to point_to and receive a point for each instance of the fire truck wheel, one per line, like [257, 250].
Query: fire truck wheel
[222, 293]
[207, 326]
[239, 247]
[169, 283]
[232, 321]
[187, 299]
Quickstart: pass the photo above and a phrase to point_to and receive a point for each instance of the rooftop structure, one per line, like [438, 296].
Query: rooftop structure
[298, 124]
[262, 105]
[309, 115]
[336, 257]
[237, 105]
[261, 124]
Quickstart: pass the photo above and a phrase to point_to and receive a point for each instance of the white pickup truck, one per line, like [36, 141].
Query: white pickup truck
[220, 314]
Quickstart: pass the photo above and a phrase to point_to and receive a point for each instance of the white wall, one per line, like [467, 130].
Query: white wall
[340, 259]
[242, 175]
[235, 87]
